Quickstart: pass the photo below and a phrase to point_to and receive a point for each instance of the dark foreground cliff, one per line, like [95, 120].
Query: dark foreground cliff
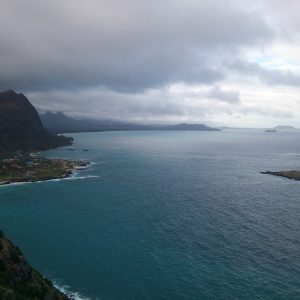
[21, 127]
[18, 280]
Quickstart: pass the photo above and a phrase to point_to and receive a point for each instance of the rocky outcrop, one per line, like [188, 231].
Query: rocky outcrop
[18, 280]
[21, 127]
[286, 174]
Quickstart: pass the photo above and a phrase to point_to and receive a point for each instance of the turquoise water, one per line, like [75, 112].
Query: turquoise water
[165, 215]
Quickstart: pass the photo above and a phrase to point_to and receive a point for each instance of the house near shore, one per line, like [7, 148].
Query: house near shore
[15, 166]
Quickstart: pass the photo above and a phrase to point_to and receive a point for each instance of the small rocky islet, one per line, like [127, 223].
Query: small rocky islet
[286, 174]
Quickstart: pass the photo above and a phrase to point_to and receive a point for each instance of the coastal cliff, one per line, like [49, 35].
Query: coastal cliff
[18, 280]
[21, 127]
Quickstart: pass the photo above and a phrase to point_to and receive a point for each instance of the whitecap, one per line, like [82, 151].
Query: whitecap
[82, 177]
[72, 295]
[13, 183]
[71, 177]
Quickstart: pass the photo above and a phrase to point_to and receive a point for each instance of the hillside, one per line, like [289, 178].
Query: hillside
[59, 120]
[21, 127]
[18, 280]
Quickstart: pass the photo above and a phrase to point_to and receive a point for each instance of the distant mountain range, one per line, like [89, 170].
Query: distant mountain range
[59, 123]
[191, 127]
[282, 128]
[277, 128]
[21, 127]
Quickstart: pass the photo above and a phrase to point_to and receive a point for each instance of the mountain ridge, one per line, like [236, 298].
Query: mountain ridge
[58, 122]
[21, 127]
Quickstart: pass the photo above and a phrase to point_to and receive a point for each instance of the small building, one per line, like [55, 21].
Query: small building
[15, 166]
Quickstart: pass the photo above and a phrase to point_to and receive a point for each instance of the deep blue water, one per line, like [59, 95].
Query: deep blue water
[166, 215]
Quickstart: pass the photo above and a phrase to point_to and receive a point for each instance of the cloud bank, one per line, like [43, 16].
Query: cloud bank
[155, 60]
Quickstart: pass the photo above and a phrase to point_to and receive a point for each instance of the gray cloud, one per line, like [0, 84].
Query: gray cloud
[126, 46]
[229, 96]
[153, 60]
[267, 76]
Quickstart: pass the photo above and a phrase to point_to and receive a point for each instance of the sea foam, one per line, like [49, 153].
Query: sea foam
[72, 295]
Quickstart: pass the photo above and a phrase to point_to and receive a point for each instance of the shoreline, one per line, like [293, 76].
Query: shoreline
[286, 174]
[27, 168]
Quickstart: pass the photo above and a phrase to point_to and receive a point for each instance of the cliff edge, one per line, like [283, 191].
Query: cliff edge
[18, 280]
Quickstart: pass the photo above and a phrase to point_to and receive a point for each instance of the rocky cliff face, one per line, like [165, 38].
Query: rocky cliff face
[18, 281]
[21, 127]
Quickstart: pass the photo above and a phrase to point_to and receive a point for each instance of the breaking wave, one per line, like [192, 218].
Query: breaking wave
[72, 295]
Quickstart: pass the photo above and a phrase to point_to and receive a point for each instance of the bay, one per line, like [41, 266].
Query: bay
[165, 215]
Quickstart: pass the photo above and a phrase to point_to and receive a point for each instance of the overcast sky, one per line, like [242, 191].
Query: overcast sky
[217, 62]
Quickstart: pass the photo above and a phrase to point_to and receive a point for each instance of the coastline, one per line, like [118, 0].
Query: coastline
[286, 174]
[28, 168]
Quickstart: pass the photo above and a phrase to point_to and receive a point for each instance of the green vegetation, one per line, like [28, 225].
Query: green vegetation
[26, 168]
[18, 281]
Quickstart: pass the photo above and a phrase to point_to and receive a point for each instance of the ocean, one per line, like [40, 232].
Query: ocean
[165, 215]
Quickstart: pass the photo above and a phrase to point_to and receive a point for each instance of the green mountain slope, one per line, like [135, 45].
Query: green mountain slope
[21, 127]
[18, 280]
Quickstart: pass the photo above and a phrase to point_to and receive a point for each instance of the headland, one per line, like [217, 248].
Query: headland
[31, 168]
[287, 174]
